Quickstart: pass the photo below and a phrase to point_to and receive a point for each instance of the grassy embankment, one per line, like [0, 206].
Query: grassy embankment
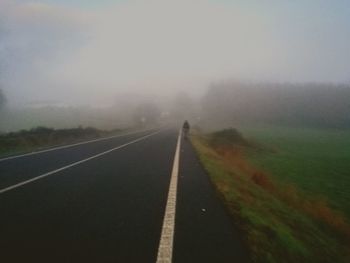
[281, 223]
[41, 137]
[316, 160]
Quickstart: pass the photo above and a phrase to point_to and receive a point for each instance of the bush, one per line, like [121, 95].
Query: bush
[227, 137]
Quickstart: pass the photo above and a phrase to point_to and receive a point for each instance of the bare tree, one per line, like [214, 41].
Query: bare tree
[183, 107]
[2, 99]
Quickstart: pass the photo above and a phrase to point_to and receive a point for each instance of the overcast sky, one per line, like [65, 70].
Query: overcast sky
[88, 52]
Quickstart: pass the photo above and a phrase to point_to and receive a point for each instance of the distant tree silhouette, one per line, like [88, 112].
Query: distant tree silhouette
[2, 99]
[310, 104]
[147, 114]
[183, 107]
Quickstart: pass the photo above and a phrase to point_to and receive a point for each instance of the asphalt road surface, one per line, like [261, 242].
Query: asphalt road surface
[106, 201]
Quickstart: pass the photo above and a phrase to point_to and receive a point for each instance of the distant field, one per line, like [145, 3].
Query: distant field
[317, 161]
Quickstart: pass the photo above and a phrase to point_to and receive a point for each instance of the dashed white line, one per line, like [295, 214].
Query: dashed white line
[9, 188]
[69, 145]
[165, 249]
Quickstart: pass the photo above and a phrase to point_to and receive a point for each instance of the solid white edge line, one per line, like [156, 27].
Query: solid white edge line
[70, 145]
[73, 164]
[165, 249]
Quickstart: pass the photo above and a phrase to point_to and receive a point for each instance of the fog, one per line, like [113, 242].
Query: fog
[66, 63]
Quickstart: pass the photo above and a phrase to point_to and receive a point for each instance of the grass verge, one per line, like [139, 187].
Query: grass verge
[42, 137]
[280, 223]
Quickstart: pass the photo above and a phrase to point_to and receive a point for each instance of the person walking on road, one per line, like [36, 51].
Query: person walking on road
[186, 129]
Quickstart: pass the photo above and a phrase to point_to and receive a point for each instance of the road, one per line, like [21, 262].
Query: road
[108, 201]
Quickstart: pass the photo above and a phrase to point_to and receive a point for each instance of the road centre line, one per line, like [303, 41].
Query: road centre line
[70, 145]
[9, 188]
[165, 249]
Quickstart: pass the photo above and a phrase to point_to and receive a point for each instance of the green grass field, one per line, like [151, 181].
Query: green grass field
[315, 160]
[279, 223]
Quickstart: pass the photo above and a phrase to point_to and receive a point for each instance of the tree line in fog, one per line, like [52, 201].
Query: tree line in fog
[316, 105]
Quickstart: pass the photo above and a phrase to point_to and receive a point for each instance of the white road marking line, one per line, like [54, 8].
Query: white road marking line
[69, 146]
[165, 250]
[9, 188]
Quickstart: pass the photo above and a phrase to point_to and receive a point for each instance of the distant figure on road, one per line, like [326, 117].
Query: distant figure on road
[186, 129]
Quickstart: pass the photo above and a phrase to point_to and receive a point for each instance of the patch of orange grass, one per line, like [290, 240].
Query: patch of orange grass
[317, 208]
[234, 157]
[320, 209]
[223, 187]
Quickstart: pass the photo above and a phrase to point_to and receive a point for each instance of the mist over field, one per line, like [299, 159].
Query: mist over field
[111, 110]
[307, 105]
[96, 63]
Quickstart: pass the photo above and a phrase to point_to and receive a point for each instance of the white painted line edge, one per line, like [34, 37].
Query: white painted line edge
[9, 188]
[165, 250]
[70, 145]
